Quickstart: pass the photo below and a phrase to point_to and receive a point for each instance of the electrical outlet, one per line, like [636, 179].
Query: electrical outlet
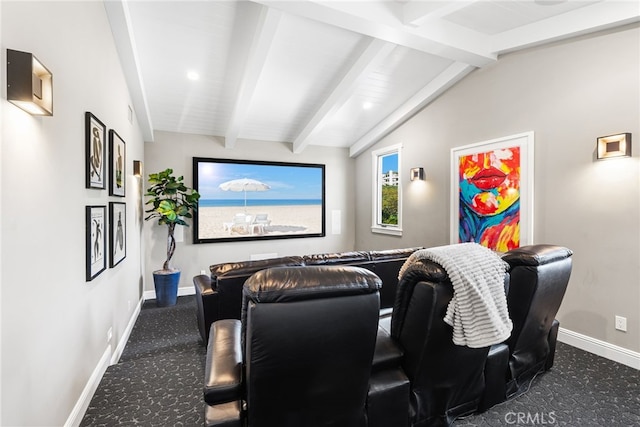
[203, 272]
[109, 335]
[621, 323]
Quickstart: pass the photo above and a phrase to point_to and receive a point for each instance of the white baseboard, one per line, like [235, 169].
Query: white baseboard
[188, 290]
[126, 334]
[87, 393]
[107, 359]
[600, 348]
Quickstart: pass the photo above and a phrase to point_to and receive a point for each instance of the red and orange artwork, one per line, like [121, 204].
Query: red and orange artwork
[489, 209]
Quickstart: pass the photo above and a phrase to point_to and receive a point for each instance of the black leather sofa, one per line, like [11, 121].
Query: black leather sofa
[418, 376]
[219, 296]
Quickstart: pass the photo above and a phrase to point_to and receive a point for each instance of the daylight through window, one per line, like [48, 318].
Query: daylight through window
[387, 191]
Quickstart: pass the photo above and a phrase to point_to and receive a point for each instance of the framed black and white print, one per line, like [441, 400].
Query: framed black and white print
[96, 241]
[117, 162]
[95, 150]
[117, 232]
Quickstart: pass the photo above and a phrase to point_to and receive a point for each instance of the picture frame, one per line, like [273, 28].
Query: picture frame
[257, 200]
[95, 152]
[96, 241]
[613, 146]
[117, 164]
[117, 233]
[492, 192]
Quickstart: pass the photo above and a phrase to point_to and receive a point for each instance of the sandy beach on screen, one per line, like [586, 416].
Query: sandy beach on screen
[216, 222]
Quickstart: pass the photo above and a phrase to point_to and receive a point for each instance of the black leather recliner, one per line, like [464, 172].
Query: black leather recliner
[446, 380]
[302, 353]
[219, 296]
[449, 381]
[539, 278]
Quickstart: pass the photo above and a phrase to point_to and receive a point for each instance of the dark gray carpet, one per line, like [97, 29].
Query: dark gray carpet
[580, 390]
[159, 379]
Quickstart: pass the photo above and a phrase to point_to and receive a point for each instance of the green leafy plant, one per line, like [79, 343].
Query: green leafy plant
[170, 201]
[390, 204]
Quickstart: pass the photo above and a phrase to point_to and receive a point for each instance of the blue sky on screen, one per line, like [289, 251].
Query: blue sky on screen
[286, 182]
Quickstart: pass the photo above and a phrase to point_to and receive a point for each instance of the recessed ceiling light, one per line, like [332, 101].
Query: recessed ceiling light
[367, 105]
[192, 75]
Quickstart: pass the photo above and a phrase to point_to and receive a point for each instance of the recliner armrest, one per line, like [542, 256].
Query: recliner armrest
[223, 369]
[387, 352]
[207, 301]
[223, 415]
[202, 283]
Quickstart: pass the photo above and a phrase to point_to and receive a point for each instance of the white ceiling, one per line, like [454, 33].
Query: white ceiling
[303, 71]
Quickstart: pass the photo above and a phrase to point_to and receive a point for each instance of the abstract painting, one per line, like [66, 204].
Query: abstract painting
[492, 193]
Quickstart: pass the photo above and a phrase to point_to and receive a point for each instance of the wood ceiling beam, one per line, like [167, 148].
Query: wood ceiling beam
[369, 58]
[417, 13]
[450, 76]
[438, 38]
[257, 56]
[120, 22]
[596, 17]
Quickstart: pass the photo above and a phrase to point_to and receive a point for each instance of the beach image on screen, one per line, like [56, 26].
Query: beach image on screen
[258, 200]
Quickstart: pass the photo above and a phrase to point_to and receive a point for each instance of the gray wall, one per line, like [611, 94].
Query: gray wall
[54, 324]
[568, 93]
[176, 150]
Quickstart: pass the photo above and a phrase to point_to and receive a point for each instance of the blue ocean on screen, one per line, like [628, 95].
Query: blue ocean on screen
[218, 203]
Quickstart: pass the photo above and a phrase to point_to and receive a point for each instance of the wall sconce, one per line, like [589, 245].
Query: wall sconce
[29, 83]
[417, 174]
[137, 168]
[613, 146]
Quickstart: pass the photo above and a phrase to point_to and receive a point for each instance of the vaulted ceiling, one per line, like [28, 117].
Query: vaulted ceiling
[329, 73]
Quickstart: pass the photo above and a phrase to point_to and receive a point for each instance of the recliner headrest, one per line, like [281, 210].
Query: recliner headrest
[246, 268]
[392, 253]
[535, 255]
[285, 284]
[336, 258]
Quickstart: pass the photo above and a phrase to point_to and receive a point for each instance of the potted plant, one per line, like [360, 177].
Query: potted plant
[171, 201]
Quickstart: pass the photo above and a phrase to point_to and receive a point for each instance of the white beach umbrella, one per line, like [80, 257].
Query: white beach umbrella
[244, 184]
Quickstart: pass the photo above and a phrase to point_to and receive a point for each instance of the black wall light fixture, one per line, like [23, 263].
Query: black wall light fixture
[137, 168]
[417, 174]
[611, 146]
[29, 83]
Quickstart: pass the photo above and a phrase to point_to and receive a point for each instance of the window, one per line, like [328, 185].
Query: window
[387, 191]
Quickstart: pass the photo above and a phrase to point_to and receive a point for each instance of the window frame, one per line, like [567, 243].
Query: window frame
[376, 208]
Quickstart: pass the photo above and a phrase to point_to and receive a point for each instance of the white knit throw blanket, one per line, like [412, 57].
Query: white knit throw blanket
[478, 309]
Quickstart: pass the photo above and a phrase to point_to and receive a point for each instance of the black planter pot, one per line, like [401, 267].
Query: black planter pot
[166, 284]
